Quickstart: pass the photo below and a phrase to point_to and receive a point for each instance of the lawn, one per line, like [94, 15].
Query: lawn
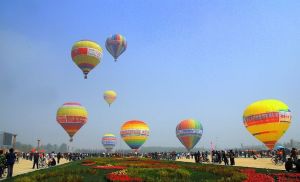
[136, 169]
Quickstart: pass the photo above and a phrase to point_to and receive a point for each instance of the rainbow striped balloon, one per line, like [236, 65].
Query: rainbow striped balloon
[86, 55]
[116, 45]
[267, 120]
[110, 96]
[189, 132]
[109, 141]
[71, 116]
[134, 133]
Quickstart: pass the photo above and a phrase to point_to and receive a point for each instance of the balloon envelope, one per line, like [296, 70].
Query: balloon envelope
[134, 133]
[110, 96]
[86, 55]
[109, 141]
[71, 116]
[189, 132]
[267, 120]
[116, 45]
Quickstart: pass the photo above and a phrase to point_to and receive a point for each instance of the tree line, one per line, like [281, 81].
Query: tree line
[48, 148]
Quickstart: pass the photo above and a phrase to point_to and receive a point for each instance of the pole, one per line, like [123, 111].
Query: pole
[38, 145]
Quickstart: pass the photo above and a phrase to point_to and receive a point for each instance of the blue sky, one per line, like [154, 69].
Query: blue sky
[206, 60]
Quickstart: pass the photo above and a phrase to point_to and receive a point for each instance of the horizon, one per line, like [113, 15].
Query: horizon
[143, 148]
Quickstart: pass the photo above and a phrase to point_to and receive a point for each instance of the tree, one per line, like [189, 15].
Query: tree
[63, 148]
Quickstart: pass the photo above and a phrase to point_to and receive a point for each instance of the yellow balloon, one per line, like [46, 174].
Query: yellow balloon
[267, 120]
[110, 96]
[86, 55]
[72, 116]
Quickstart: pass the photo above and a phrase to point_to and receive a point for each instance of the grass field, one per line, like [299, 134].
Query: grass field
[135, 169]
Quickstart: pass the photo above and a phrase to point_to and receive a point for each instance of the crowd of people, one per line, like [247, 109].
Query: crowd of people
[42, 159]
[7, 161]
[223, 156]
[39, 159]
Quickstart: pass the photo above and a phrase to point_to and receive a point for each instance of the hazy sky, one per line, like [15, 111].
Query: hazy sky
[201, 59]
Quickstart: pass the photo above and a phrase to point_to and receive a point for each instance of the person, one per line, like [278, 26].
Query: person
[298, 165]
[52, 155]
[289, 165]
[225, 158]
[2, 163]
[283, 155]
[58, 157]
[10, 161]
[254, 155]
[231, 157]
[196, 157]
[36, 160]
[53, 162]
[219, 157]
[279, 154]
[294, 154]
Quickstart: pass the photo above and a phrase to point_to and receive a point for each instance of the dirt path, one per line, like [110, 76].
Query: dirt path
[249, 162]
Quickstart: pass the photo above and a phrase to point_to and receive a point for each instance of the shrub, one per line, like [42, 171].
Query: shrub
[25, 179]
[70, 178]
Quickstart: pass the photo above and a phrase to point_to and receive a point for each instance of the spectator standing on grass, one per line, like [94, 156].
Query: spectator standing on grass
[10, 161]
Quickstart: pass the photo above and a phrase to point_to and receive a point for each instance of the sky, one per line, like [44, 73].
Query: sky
[205, 59]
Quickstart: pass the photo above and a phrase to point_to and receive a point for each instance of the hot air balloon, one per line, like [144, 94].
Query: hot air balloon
[71, 116]
[110, 96]
[116, 45]
[267, 120]
[189, 132]
[86, 55]
[109, 141]
[134, 133]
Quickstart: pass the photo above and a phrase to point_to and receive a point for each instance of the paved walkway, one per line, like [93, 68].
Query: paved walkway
[25, 166]
[265, 163]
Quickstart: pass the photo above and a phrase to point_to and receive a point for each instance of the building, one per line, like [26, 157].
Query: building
[7, 140]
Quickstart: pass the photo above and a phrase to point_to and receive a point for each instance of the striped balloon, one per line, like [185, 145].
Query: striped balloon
[86, 55]
[116, 45]
[267, 120]
[134, 133]
[71, 116]
[109, 141]
[189, 132]
[110, 96]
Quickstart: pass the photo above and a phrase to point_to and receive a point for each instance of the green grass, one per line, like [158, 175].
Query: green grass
[70, 172]
[148, 170]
